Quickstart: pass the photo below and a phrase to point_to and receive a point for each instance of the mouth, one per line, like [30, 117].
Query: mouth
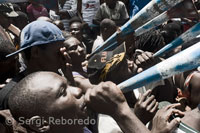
[83, 106]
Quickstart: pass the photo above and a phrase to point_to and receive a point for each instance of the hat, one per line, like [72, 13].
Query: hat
[8, 10]
[100, 64]
[38, 33]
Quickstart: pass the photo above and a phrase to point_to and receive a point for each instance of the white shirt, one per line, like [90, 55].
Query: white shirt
[89, 10]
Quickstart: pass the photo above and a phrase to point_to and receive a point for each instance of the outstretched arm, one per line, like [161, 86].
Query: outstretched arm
[107, 98]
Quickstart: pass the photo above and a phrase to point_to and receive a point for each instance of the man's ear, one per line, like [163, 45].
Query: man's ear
[38, 124]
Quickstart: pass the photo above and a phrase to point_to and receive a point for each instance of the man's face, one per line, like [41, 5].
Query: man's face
[75, 30]
[69, 101]
[111, 3]
[50, 58]
[75, 50]
[62, 100]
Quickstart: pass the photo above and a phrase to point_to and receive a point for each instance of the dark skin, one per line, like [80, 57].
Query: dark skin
[71, 103]
[58, 60]
[5, 22]
[194, 91]
[146, 107]
[192, 119]
[76, 53]
[76, 30]
[123, 115]
[161, 123]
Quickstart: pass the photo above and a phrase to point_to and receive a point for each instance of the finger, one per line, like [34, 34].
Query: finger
[145, 57]
[174, 123]
[87, 96]
[143, 97]
[140, 95]
[149, 100]
[176, 111]
[150, 56]
[172, 106]
[137, 62]
[171, 112]
[62, 50]
[155, 108]
[151, 104]
[140, 59]
[139, 70]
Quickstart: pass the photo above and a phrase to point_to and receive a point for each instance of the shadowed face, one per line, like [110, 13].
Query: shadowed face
[111, 3]
[75, 30]
[75, 50]
[50, 58]
[61, 100]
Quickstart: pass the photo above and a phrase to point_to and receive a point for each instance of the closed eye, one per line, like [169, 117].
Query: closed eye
[62, 92]
[73, 47]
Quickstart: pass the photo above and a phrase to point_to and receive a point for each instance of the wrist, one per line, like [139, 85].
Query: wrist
[121, 112]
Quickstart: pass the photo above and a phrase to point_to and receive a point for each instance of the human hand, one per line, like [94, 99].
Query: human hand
[161, 121]
[145, 60]
[146, 107]
[106, 98]
[66, 65]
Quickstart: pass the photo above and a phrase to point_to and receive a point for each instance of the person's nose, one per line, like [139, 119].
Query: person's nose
[73, 32]
[75, 91]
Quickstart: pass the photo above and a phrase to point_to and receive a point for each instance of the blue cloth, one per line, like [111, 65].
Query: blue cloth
[37, 33]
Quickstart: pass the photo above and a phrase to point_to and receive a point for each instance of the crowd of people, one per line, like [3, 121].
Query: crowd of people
[50, 83]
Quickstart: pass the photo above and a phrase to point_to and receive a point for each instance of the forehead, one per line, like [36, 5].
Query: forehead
[71, 42]
[48, 84]
[75, 25]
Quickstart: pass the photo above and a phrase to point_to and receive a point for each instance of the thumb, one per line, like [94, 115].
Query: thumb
[174, 123]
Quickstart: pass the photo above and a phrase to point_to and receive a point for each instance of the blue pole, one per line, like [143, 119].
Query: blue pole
[183, 61]
[151, 10]
[185, 37]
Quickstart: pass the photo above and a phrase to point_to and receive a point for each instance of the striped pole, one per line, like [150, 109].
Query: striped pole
[185, 9]
[185, 37]
[151, 10]
[181, 62]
